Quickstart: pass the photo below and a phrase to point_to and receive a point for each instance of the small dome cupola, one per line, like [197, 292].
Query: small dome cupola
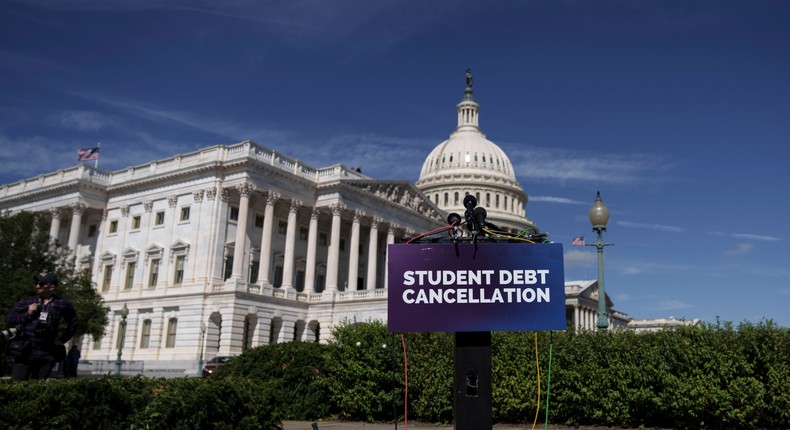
[468, 109]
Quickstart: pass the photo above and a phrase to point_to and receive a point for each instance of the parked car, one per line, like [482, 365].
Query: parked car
[214, 363]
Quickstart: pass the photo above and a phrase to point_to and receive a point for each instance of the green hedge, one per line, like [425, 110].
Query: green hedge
[136, 403]
[716, 376]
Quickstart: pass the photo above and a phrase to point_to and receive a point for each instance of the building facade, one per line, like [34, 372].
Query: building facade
[229, 247]
[226, 248]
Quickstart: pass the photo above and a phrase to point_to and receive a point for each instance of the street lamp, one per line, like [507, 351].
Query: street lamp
[202, 337]
[122, 334]
[599, 216]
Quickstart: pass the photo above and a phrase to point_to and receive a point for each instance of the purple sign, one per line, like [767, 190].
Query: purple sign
[483, 287]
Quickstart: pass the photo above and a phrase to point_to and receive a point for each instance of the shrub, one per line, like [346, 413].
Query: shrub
[294, 373]
[366, 373]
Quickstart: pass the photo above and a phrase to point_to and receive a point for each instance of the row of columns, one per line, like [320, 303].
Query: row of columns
[332, 272]
[585, 318]
[77, 209]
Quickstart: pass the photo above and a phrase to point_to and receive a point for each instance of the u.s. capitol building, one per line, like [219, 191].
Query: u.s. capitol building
[229, 247]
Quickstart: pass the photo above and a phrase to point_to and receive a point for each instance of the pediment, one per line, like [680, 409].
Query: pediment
[401, 193]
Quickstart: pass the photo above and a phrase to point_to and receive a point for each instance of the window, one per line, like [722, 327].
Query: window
[179, 275]
[496, 201]
[319, 283]
[145, 335]
[234, 213]
[105, 284]
[153, 276]
[282, 227]
[185, 213]
[254, 268]
[129, 275]
[303, 232]
[172, 326]
[342, 244]
[299, 280]
[258, 220]
[96, 343]
[455, 198]
[92, 230]
[323, 239]
[160, 218]
[113, 227]
[278, 276]
[446, 199]
[136, 222]
[228, 268]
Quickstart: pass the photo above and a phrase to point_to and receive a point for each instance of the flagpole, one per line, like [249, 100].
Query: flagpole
[96, 162]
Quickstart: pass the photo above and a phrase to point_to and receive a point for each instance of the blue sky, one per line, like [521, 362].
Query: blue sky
[677, 111]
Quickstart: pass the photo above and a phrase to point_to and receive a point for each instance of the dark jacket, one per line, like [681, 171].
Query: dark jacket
[44, 333]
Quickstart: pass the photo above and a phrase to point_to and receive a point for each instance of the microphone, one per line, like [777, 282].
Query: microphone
[480, 216]
[470, 202]
[454, 219]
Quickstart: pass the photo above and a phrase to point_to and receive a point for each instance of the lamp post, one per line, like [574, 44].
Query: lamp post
[202, 337]
[599, 216]
[122, 334]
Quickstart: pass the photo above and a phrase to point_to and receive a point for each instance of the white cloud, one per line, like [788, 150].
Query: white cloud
[540, 163]
[743, 248]
[745, 236]
[82, 120]
[672, 304]
[578, 258]
[659, 227]
[559, 200]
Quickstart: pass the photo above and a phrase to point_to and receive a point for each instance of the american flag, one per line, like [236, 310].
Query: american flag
[578, 241]
[88, 154]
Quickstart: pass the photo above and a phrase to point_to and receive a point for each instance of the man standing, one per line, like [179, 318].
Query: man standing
[39, 344]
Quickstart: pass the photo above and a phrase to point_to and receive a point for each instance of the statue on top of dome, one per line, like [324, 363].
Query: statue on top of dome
[469, 78]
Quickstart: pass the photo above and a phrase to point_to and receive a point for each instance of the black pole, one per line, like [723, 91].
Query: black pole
[473, 397]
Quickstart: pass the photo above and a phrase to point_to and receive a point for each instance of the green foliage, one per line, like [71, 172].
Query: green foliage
[430, 359]
[715, 376]
[366, 373]
[27, 250]
[136, 403]
[294, 373]
[221, 404]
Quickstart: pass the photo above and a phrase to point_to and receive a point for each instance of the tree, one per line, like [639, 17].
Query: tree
[25, 250]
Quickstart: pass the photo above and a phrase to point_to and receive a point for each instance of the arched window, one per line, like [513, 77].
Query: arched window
[172, 327]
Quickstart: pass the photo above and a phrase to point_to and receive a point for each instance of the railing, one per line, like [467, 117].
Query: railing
[218, 153]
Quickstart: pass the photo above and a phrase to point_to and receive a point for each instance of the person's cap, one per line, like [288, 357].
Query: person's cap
[46, 278]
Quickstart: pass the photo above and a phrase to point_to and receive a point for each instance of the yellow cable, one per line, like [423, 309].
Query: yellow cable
[537, 366]
[491, 233]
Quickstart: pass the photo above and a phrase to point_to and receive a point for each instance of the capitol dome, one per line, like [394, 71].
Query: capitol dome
[469, 164]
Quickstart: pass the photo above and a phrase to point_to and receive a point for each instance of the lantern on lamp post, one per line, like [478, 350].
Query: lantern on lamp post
[599, 216]
[122, 334]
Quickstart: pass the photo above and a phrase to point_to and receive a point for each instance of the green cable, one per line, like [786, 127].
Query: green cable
[548, 385]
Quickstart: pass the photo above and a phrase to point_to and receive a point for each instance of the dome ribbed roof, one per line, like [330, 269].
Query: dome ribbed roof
[469, 164]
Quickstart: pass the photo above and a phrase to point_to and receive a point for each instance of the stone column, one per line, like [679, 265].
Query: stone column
[333, 258]
[290, 243]
[353, 256]
[390, 240]
[245, 190]
[312, 236]
[77, 209]
[54, 227]
[266, 239]
[373, 253]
